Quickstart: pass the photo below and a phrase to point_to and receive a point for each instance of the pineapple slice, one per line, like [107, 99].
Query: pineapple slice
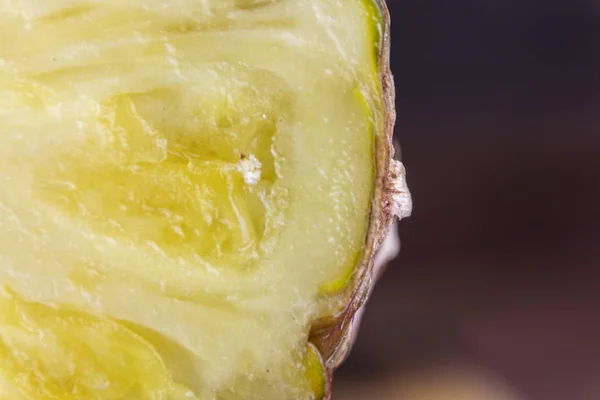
[193, 194]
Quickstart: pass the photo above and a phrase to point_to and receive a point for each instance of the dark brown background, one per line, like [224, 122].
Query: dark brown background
[499, 121]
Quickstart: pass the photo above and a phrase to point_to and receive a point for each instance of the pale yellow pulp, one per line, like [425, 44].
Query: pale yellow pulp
[138, 259]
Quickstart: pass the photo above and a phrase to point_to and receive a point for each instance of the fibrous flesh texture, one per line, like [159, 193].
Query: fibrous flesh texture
[186, 188]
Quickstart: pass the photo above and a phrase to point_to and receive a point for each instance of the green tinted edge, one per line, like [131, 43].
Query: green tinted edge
[315, 372]
[343, 280]
[375, 23]
[376, 26]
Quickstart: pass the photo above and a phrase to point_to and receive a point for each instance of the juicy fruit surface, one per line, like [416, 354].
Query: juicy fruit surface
[186, 188]
[62, 352]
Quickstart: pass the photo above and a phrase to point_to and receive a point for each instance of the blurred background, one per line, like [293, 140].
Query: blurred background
[495, 295]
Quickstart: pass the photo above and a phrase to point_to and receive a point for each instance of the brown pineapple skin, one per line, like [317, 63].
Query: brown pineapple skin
[391, 202]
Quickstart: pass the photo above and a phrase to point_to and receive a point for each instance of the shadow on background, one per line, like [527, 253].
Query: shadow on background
[499, 121]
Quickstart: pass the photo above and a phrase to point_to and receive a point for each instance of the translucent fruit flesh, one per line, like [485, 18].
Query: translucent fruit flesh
[186, 188]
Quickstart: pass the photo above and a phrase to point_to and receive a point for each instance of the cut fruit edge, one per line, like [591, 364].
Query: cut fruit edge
[331, 337]
[391, 202]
